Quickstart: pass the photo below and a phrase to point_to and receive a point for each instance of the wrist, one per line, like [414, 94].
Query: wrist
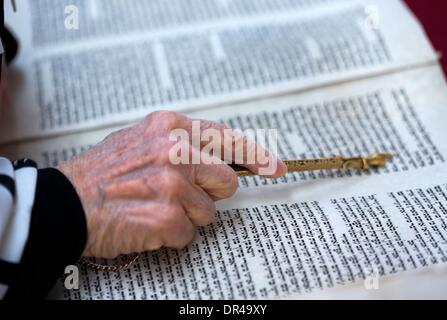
[82, 184]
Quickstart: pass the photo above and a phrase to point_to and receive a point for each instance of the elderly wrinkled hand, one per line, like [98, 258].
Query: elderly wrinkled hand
[136, 199]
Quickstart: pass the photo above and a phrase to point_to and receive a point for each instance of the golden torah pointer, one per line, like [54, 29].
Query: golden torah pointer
[376, 160]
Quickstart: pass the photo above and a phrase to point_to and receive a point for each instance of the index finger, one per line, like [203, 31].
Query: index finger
[227, 144]
[237, 148]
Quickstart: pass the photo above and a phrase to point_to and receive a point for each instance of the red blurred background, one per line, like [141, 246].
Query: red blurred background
[433, 15]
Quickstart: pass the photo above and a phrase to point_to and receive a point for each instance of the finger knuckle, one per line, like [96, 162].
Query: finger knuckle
[176, 242]
[168, 219]
[173, 182]
[171, 217]
[208, 214]
[167, 119]
[231, 180]
[152, 240]
[152, 245]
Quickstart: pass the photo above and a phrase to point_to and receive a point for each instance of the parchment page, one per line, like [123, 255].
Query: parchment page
[118, 66]
[307, 232]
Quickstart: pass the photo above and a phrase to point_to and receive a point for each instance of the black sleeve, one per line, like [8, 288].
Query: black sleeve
[57, 236]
